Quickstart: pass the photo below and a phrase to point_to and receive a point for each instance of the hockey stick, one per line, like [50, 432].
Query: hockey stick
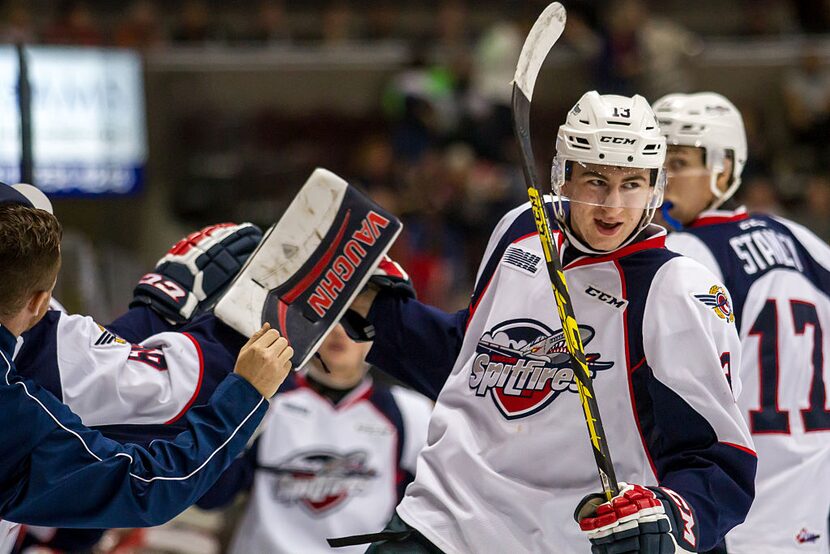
[543, 35]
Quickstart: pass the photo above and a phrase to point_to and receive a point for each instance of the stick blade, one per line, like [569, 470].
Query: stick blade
[543, 35]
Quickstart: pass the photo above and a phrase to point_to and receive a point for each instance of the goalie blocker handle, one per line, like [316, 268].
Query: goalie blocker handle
[570, 328]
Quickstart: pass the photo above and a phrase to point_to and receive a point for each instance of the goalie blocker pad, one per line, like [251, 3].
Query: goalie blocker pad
[310, 265]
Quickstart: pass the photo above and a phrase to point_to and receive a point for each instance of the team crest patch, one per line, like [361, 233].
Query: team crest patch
[523, 366]
[521, 259]
[718, 301]
[321, 480]
[805, 537]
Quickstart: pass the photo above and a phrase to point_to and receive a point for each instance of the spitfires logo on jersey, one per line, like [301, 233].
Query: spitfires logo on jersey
[523, 366]
[719, 302]
[321, 480]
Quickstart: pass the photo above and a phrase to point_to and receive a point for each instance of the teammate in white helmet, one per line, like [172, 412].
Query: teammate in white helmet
[779, 276]
[508, 460]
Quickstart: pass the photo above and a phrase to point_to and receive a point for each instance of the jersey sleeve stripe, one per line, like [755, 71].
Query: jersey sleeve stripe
[198, 388]
[739, 447]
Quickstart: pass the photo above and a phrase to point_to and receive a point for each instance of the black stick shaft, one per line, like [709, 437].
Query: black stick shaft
[570, 328]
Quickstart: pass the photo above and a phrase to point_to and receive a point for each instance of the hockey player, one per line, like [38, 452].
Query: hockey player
[779, 275]
[56, 471]
[507, 460]
[339, 467]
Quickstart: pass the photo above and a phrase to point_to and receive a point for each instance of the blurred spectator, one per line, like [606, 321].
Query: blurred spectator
[375, 164]
[141, 29]
[766, 18]
[760, 194]
[338, 24]
[271, 24]
[807, 96]
[815, 213]
[644, 54]
[383, 20]
[761, 154]
[453, 38]
[813, 15]
[487, 105]
[75, 24]
[17, 24]
[195, 24]
[421, 103]
[580, 32]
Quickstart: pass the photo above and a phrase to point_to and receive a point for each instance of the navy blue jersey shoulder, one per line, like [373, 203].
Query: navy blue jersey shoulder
[38, 357]
[681, 443]
[637, 272]
[748, 249]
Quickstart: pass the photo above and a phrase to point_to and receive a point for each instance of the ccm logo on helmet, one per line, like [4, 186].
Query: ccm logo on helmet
[618, 140]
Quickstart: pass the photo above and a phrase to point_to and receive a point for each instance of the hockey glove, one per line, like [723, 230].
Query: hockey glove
[388, 276]
[196, 270]
[643, 520]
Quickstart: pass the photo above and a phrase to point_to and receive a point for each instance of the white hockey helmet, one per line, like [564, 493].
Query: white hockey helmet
[610, 130]
[709, 121]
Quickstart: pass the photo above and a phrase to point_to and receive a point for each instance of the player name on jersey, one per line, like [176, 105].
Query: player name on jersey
[762, 249]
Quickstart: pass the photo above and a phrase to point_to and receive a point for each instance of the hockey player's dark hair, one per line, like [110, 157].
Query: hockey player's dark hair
[29, 254]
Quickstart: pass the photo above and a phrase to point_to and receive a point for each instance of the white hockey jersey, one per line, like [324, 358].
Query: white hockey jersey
[779, 275]
[508, 459]
[325, 470]
[133, 379]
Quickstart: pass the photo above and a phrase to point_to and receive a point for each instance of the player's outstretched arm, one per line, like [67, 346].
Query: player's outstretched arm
[68, 475]
[413, 342]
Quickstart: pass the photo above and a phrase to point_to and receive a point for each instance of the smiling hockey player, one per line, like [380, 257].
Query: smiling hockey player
[507, 460]
[779, 275]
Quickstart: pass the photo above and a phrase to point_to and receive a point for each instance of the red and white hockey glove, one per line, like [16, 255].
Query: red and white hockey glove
[196, 270]
[388, 276]
[643, 520]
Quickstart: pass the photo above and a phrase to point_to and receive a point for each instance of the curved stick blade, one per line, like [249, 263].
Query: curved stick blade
[543, 35]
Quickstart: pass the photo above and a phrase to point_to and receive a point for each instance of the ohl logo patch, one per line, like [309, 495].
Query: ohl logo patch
[523, 366]
[321, 480]
[719, 302]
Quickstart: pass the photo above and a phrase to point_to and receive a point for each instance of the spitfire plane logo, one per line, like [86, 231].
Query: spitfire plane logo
[523, 366]
[719, 302]
[321, 480]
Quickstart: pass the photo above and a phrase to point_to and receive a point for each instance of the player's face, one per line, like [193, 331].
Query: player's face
[607, 202]
[688, 183]
[344, 358]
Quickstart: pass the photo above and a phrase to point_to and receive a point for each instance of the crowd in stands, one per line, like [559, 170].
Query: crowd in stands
[440, 151]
